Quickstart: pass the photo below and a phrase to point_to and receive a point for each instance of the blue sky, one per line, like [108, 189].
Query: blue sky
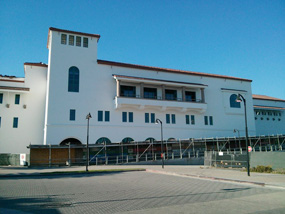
[236, 38]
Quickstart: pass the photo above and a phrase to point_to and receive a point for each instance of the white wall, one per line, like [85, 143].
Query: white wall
[98, 90]
[30, 119]
[269, 124]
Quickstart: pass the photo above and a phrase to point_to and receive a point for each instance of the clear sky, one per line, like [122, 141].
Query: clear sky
[241, 38]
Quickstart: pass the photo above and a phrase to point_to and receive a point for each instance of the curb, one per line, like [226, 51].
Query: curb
[205, 177]
[66, 173]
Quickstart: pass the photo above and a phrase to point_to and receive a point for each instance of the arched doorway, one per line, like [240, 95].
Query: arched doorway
[72, 141]
[127, 140]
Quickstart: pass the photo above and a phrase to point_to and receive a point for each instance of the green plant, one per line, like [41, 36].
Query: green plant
[259, 168]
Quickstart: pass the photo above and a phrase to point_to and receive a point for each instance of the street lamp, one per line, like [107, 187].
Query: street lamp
[87, 159]
[239, 99]
[162, 155]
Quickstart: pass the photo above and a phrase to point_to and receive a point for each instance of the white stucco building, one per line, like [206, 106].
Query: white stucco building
[269, 115]
[49, 105]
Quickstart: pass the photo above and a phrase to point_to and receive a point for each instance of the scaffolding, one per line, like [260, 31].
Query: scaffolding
[149, 151]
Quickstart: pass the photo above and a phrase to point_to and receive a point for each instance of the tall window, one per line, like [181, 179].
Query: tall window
[107, 116]
[192, 119]
[17, 99]
[128, 91]
[15, 122]
[206, 120]
[152, 117]
[150, 93]
[170, 94]
[72, 115]
[190, 96]
[78, 41]
[168, 118]
[187, 119]
[71, 40]
[63, 39]
[1, 98]
[173, 119]
[85, 42]
[73, 79]
[211, 120]
[233, 103]
[125, 117]
[100, 116]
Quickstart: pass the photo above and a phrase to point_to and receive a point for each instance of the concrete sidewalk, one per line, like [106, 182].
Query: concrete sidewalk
[199, 172]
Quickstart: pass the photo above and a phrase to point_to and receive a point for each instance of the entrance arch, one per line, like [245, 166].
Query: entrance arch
[72, 141]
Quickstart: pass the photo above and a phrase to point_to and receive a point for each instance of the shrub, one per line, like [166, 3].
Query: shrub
[267, 169]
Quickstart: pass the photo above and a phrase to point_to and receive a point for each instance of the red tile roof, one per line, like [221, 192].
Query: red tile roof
[74, 32]
[126, 65]
[263, 97]
[36, 64]
[269, 107]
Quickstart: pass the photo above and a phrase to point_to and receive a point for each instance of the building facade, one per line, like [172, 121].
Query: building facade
[124, 99]
[269, 115]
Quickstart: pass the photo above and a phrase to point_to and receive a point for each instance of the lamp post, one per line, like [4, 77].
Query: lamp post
[240, 98]
[87, 159]
[162, 155]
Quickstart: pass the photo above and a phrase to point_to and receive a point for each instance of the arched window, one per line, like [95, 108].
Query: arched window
[150, 139]
[73, 79]
[72, 141]
[103, 140]
[233, 103]
[127, 140]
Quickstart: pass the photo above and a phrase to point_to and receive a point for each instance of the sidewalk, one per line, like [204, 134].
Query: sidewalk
[200, 172]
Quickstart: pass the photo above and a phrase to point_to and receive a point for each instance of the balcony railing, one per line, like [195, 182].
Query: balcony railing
[162, 104]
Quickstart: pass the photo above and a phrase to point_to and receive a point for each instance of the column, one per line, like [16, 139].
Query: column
[118, 88]
[163, 92]
[183, 94]
[141, 90]
[202, 95]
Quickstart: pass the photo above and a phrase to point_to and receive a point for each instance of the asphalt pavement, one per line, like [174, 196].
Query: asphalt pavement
[198, 172]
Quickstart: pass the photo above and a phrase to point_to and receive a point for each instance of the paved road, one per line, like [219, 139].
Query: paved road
[134, 192]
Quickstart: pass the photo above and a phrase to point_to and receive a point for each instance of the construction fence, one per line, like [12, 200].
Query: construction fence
[152, 152]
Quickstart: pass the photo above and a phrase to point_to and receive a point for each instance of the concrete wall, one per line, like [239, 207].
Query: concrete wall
[274, 159]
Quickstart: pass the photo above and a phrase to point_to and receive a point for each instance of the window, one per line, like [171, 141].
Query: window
[1, 98]
[128, 91]
[211, 120]
[71, 40]
[100, 116]
[190, 96]
[78, 41]
[131, 118]
[124, 117]
[206, 120]
[168, 118]
[152, 117]
[63, 39]
[173, 119]
[170, 94]
[233, 103]
[192, 119]
[150, 93]
[107, 116]
[187, 119]
[270, 113]
[146, 117]
[73, 79]
[15, 122]
[127, 140]
[85, 42]
[103, 140]
[72, 115]
[17, 99]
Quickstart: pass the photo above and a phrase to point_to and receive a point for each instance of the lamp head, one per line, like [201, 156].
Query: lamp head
[239, 98]
[88, 116]
[157, 121]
